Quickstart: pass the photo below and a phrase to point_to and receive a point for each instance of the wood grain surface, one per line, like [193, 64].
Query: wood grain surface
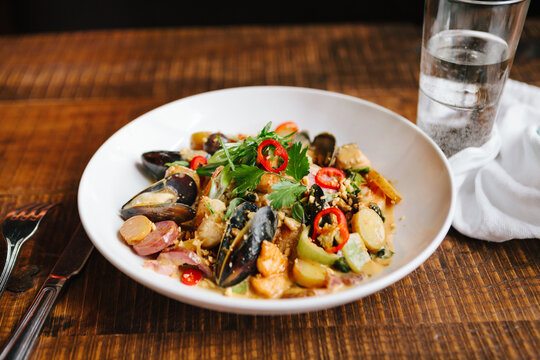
[63, 95]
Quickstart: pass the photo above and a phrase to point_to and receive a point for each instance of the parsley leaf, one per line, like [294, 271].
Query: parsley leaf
[298, 165]
[285, 194]
[246, 178]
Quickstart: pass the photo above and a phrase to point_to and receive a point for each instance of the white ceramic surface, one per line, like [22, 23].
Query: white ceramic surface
[395, 147]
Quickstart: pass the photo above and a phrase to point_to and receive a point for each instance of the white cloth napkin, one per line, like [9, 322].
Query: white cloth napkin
[498, 184]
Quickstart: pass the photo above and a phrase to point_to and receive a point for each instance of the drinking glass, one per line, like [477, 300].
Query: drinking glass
[467, 50]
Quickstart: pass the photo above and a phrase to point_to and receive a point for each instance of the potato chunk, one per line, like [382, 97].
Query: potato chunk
[369, 225]
[136, 228]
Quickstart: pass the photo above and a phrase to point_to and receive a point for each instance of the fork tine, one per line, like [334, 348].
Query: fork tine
[16, 212]
[41, 211]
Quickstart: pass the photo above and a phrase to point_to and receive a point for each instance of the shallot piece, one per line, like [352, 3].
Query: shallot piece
[162, 236]
[163, 269]
[181, 256]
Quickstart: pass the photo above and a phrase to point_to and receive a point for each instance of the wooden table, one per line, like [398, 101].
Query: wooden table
[63, 95]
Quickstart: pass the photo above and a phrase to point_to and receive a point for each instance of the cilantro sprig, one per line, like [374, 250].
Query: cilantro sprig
[286, 193]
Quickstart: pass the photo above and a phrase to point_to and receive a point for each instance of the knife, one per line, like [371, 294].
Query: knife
[70, 263]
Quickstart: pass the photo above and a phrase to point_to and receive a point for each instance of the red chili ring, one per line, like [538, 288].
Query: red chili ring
[279, 151]
[197, 162]
[191, 277]
[336, 175]
[341, 222]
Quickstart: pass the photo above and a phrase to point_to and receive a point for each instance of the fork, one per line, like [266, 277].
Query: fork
[19, 225]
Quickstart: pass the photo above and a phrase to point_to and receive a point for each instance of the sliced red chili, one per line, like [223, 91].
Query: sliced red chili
[279, 151]
[191, 277]
[197, 162]
[341, 223]
[286, 128]
[329, 177]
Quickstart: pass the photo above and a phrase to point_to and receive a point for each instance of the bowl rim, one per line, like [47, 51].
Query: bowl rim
[215, 301]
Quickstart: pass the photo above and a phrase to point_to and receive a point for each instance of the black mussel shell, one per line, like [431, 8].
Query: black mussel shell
[177, 212]
[237, 257]
[180, 191]
[155, 161]
[315, 204]
[323, 149]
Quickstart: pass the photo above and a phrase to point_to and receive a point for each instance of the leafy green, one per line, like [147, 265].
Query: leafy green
[220, 183]
[232, 205]
[297, 212]
[377, 209]
[209, 207]
[285, 193]
[226, 153]
[384, 253]
[341, 265]
[361, 171]
[178, 162]
[298, 165]
[246, 178]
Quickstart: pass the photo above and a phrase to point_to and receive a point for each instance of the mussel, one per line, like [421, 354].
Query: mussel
[315, 204]
[323, 149]
[168, 199]
[241, 244]
[155, 161]
[303, 138]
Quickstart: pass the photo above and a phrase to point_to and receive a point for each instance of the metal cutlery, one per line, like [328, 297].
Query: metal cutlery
[18, 226]
[70, 263]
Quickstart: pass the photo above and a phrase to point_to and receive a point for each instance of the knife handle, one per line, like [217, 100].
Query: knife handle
[24, 338]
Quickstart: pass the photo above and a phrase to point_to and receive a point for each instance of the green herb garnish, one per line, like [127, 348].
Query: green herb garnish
[246, 178]
[377, 209]
[285, 193]
[298, 165]
[297, 212]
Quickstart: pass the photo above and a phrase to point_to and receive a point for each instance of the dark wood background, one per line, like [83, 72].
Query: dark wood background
[62, 95]
[30, 16]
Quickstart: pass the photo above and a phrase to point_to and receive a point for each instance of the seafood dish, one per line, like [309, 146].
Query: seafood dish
[273, 215]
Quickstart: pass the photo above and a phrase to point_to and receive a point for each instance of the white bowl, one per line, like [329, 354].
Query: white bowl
[396, 148]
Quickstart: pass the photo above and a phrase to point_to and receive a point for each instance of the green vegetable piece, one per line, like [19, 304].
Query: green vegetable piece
[240, 288]
[356, 253]
[307, 250]
[178, 162]
[378, 210]
[297, 212]
[341, 265]
[384, 253]
[232, 205]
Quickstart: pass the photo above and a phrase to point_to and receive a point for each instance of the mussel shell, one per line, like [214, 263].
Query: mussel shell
[183, 190]
[155, 161]
[303, 138]
[179, 213]
[238, 253]
[323, 149]
[212, 143]
[316, 203]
